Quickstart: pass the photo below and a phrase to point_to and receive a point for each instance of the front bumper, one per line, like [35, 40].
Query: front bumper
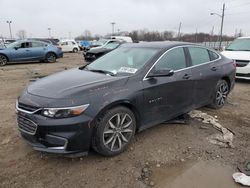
[89, 57]
[61, 136]
[243, 72]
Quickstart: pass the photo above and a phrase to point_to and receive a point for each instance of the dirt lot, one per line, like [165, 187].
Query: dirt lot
[167, 155]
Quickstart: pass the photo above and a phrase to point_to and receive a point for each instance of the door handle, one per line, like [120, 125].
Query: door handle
[27, 50]
[186, 76]
[214, 68]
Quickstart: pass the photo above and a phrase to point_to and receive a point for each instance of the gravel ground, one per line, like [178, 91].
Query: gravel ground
[156, 158]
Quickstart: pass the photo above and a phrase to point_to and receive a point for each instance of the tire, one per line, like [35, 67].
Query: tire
[220, 95]
[50, 57]
[114, 131]
[3, 60]
[75, 50]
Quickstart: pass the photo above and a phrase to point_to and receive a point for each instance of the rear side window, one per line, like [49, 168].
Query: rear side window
[174, 60]
[199, 55]
[37, 44]
[213, 55]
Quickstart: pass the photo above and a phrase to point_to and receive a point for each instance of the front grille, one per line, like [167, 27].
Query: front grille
[243, 75]
[27, 107]
[26, 125]
[241, 63]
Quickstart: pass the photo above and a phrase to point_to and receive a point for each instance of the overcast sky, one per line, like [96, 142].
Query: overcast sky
[75, 16]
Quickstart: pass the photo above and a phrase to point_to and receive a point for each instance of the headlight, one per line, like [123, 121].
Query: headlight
[64, 112]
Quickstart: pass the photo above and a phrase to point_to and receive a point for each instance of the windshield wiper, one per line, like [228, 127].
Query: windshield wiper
[245, 50]
[102, 71]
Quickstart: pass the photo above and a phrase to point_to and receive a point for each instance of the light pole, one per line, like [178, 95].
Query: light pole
[222, 22]
[49, 29]
[113, 27]
[9, 22]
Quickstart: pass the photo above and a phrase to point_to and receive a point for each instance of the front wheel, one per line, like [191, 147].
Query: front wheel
[51, 58]
[114, 131]
[75, 50]
[220, 95]
[3, 60]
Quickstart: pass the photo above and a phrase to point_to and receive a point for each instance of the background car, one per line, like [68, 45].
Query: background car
[239, 50]
[124, 38]
[100, 43]
[69, 46]
[132, 88]
[29, 50]
[95, 53]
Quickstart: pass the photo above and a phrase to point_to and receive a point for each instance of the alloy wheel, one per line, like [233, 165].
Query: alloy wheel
[118, 131]
[51, 58]
[3, 60]
[222, 93]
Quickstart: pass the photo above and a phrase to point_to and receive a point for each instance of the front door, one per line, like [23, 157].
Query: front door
[167, 97]
[22, 52]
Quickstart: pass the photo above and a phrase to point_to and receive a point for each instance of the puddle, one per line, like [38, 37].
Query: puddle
[194, 175]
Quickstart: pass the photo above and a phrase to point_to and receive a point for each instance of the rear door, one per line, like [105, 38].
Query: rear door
[38, 50]
[166, 97]
[205, 73]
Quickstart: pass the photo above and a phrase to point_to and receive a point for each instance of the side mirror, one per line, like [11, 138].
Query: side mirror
[161, 73]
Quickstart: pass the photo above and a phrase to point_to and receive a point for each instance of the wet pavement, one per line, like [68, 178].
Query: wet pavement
[194, 175]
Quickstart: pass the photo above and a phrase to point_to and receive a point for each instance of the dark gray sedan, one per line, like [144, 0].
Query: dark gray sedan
[132, 88]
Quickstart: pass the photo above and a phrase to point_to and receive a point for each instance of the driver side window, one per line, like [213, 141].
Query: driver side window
[174, 60]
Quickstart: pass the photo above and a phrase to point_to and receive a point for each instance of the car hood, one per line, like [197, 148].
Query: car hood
[98, 50]
[237, 55]
[72, 83]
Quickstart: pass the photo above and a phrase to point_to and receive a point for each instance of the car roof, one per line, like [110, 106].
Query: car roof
[159, 45]
[31, 40]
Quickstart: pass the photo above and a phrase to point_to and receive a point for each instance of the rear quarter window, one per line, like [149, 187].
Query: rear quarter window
[199, 55]
[213, 55]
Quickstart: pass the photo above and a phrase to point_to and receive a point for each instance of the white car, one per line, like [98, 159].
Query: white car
[69, 46]
[239, 50]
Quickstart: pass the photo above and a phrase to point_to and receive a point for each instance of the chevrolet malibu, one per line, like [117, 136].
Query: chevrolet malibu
[102, 105]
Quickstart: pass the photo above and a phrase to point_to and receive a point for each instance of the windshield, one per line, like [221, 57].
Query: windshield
[12, 45]
[123, 60]
[239, 45]
[111, 45]
[100, 42]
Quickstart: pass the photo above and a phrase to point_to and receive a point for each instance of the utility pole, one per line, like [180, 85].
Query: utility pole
[221, 25]
[179, 32]
[9, 22]
[113, 27]
[221, 28]
[196, 32]
[49, 29]
[236, 34]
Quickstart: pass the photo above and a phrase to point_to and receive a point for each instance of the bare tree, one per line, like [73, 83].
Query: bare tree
[21, 34]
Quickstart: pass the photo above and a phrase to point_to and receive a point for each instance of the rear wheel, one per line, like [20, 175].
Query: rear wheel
[75, 50]
[3, 60]
[220, 95]
[51, 57]
[114, 131]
